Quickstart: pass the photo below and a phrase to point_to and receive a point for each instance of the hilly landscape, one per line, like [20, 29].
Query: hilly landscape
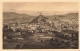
[12, 17]
[40, 32]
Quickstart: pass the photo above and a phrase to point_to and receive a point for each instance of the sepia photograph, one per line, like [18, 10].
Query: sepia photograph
[40, 25]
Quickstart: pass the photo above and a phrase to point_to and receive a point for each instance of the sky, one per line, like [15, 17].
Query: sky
[46, 8]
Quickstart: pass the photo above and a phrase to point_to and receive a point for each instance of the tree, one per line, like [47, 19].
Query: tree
[7, 31]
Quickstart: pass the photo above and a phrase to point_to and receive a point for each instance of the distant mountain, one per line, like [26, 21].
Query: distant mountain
[12, 17]
[65, 17]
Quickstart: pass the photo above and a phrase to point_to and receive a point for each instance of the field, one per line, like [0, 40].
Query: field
[37, 42]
